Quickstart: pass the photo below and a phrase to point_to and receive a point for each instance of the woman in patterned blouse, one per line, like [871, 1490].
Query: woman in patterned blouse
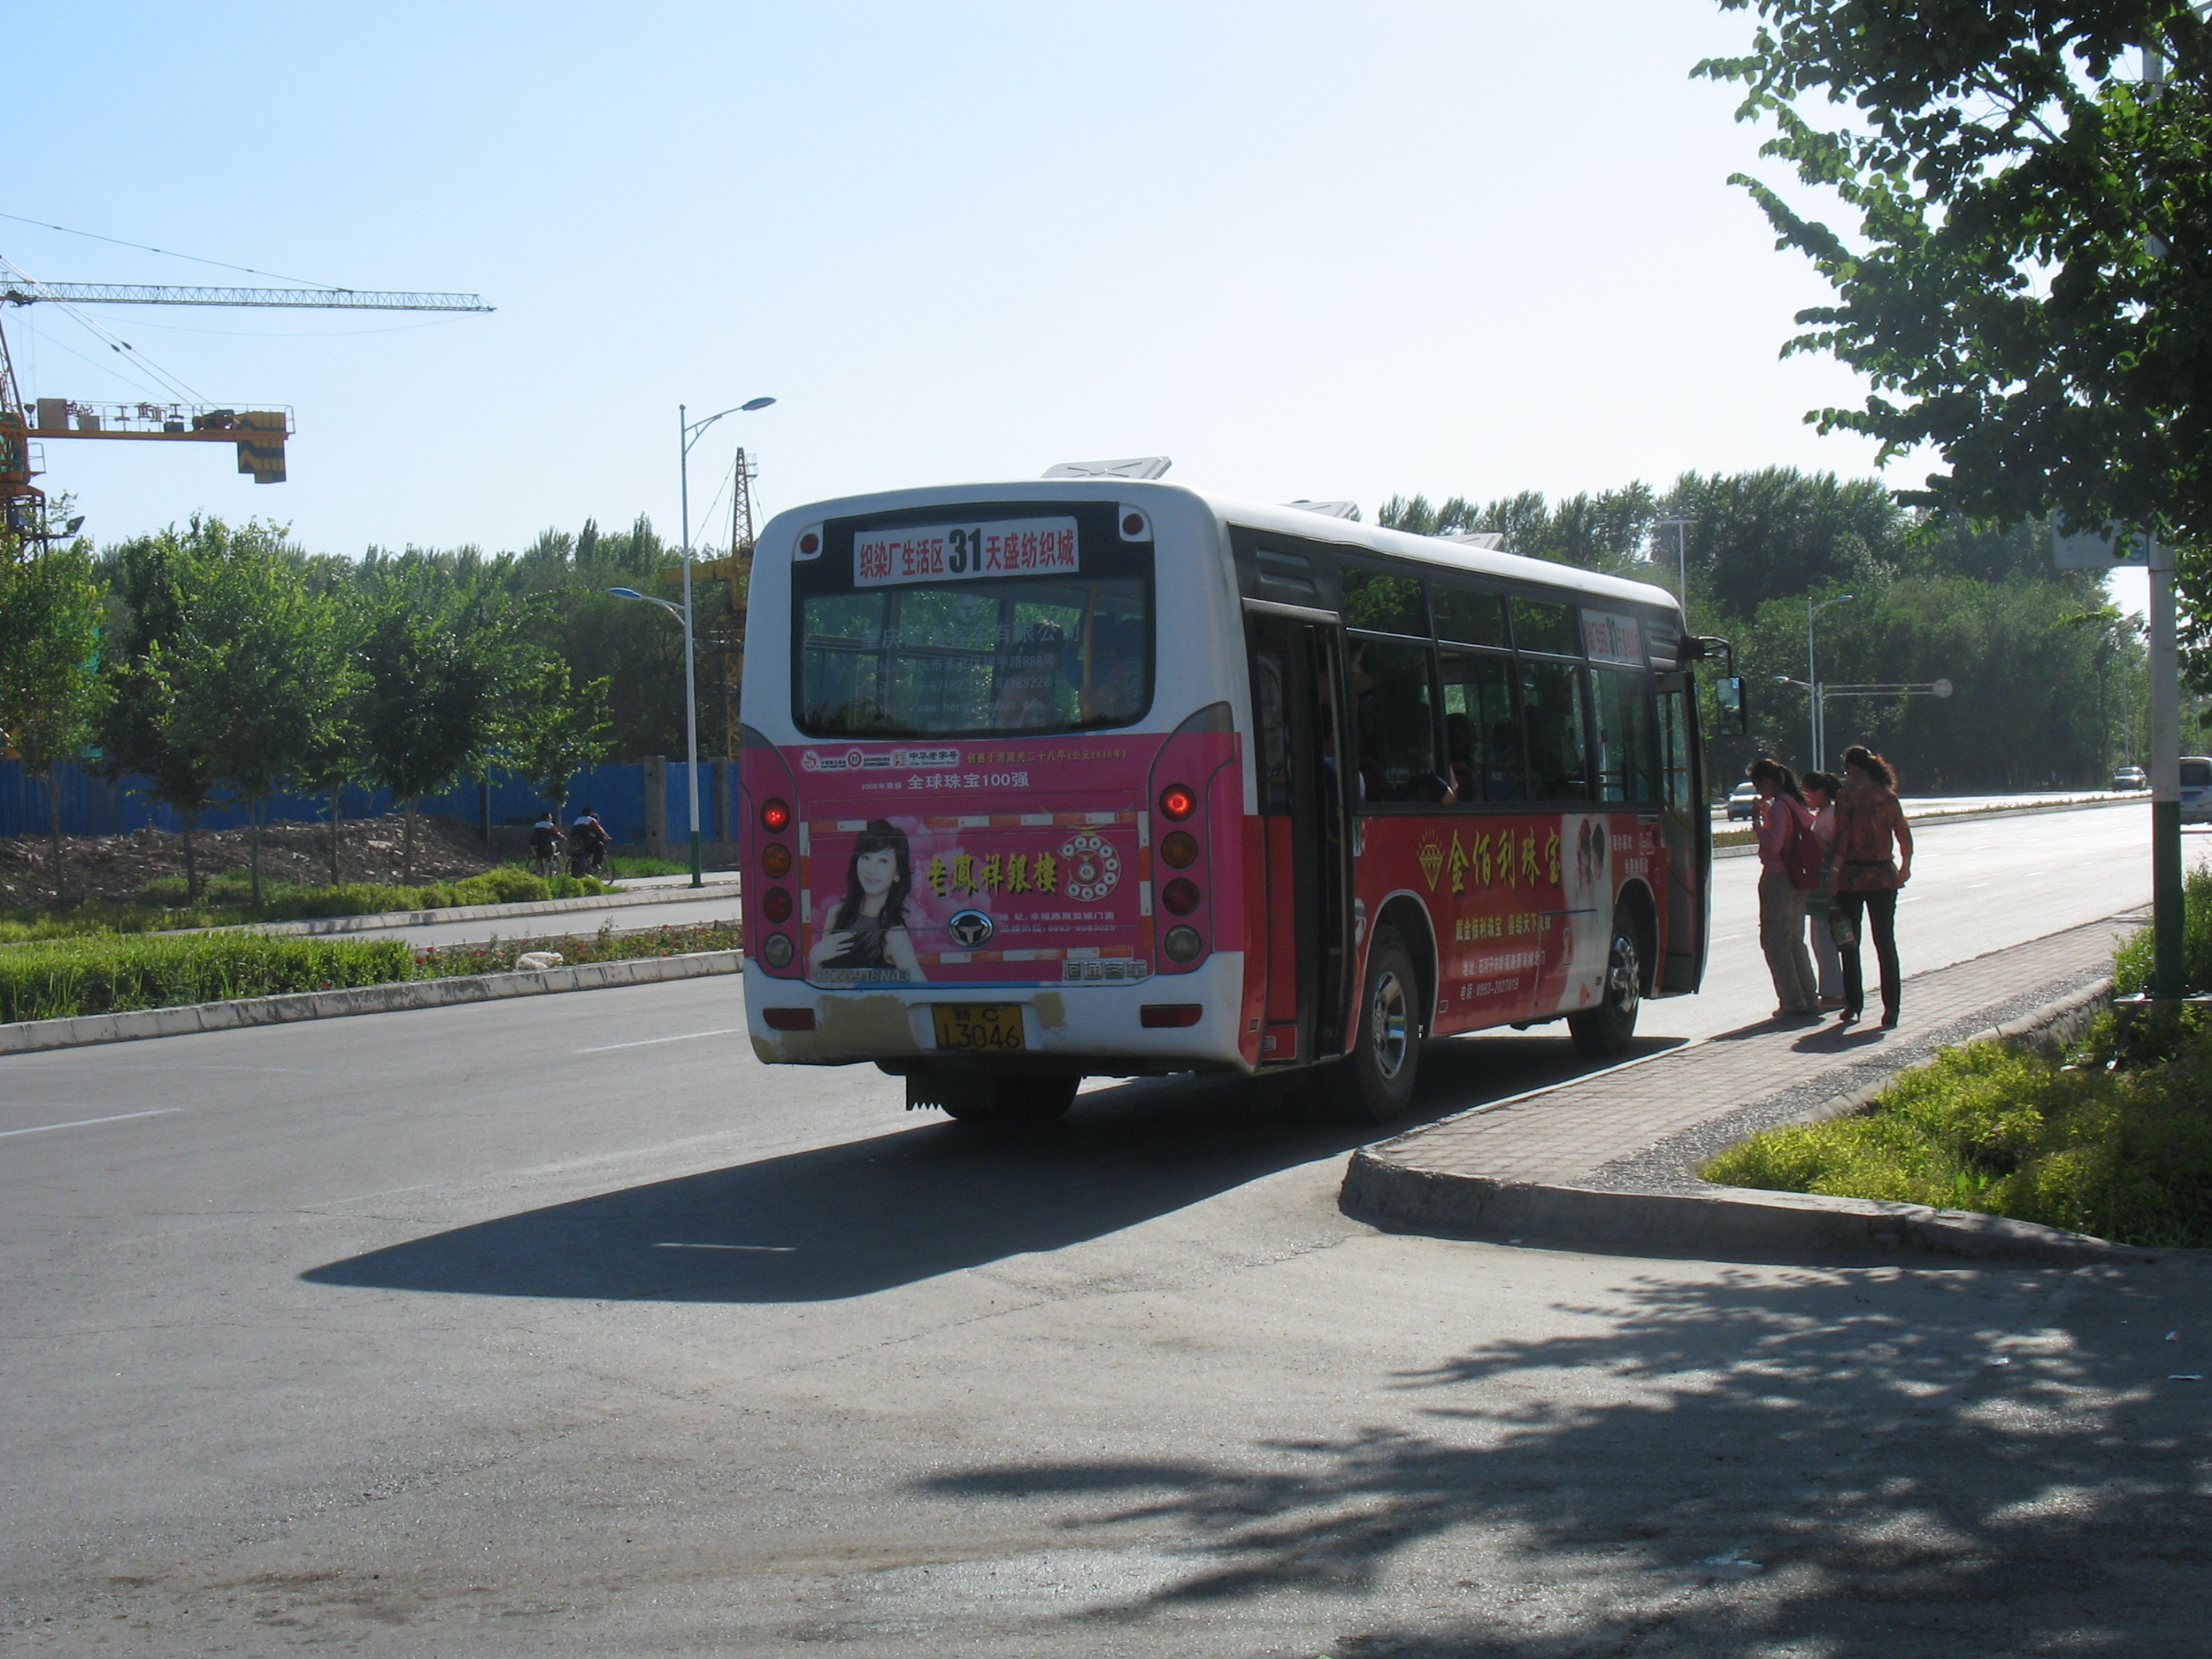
[1868, 821]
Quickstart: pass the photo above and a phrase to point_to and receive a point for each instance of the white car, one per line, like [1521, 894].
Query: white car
[1742, 800]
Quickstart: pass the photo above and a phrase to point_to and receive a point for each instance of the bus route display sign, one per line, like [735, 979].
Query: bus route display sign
[927, 553]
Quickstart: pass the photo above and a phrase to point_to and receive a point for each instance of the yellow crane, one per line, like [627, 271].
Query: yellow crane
[257, 434]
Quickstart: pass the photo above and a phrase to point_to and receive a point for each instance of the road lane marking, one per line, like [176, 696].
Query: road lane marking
[777, 1250]
[87, 1122]
[647, 1042]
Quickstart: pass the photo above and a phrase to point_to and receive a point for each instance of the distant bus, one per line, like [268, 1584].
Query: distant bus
[1107, 778]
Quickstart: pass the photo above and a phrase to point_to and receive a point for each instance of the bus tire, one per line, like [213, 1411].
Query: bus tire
[1374, 1083]
[1607, 1031]
[1006, 1102]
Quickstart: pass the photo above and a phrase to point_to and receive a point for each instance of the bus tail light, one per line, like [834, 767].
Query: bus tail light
[775, 816]
[1182, 944]
[776, 862]
[788, 1020]
[1178, 801]
[1157, 1015]
[1179, 851]
[1180, 896]
[776, 952]
[775, 904]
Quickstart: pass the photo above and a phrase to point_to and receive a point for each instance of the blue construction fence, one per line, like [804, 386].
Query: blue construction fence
[93, 806]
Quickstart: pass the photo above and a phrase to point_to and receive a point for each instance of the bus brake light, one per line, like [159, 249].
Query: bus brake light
[775, 816]
[1176, 800]
[1156, 1015]
[1180, 896]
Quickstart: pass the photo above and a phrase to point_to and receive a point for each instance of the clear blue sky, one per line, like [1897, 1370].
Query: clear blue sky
[1325, 251]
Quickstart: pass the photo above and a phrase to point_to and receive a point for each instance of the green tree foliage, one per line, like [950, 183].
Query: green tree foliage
[556, 729]
[255, 685]
[149, 612]
[2026, 259]
[438, 649]
[50, 691]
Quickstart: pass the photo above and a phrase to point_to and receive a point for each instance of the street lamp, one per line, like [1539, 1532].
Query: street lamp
[1812, 673]
[687, 432]
[1682, 529]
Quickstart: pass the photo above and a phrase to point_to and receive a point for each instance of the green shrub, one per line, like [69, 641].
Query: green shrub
[56, 979]
[2124, 1155]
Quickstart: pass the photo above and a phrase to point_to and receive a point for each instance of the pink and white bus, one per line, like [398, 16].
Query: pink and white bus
[1103, 777]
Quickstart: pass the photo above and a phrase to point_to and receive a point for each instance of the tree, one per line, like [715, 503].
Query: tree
[438, 650]
[2031, 255]
[253, 682]
[555, 729]
[49, 690]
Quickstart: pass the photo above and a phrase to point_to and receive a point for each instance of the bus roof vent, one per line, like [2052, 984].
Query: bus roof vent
[1489, 540]
[1136, 466]
[1329, 510]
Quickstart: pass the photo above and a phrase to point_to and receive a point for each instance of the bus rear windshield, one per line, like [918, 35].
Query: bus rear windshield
[958, 659]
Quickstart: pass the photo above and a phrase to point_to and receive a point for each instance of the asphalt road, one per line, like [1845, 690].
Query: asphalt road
[560, 1327]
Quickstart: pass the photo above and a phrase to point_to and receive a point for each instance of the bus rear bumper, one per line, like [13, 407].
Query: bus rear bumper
[1098, 1030]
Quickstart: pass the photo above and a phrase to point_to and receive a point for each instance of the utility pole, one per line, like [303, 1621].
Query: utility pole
[2169, 960]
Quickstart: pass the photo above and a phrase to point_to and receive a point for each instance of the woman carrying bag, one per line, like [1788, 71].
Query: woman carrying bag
[1868, 821]
[1784, 829]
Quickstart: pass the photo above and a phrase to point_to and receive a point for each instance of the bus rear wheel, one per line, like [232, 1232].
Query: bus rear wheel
[1374, 1083]
[1607, 1030]
[994, 1102]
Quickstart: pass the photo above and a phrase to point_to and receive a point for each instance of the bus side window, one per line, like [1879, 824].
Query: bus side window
[1274, 717]
[1627, 763]
[1559, 762]
[1482, 728]
[1674, 748]
[1394, 713]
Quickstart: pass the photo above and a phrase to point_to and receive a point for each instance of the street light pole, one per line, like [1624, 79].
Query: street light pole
[1812, 674]
[1682, 529]
[687, 432]
[2169, 954]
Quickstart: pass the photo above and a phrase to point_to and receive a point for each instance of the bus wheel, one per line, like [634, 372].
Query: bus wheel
[1607, 1030]
[1004, 1102]
[1374, 1083]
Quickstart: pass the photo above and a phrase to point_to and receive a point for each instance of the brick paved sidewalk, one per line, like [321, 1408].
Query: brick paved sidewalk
[1638, 1131]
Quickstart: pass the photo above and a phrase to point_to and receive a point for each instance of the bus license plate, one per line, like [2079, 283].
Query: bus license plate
[996, 1026]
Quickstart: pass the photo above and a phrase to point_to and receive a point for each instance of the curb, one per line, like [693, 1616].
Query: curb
[621, 899]
[29, 1037]
[1736, 1221]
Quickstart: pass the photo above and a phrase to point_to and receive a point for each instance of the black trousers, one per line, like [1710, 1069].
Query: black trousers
[1876, 912]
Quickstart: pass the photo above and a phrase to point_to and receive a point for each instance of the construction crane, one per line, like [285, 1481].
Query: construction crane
[257, 434]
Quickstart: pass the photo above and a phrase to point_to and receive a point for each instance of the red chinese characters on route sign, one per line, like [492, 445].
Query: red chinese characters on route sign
[1009, 547]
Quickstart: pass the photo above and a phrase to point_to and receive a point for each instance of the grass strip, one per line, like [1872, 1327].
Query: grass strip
[58, 979]
[498, 955]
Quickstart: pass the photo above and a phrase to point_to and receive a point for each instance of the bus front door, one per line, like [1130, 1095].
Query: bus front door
[1687, 827]
[1295, 701]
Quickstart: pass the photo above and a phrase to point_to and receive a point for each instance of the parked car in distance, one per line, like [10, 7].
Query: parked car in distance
[1744, 798]
[2196, 789]
[2131, 777]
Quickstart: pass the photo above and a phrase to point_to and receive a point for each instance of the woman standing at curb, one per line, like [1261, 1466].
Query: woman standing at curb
[1868, 819]
[1781, 816]
[1820, 789]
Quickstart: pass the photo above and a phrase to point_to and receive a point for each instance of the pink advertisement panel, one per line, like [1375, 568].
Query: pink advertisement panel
[1014, 862]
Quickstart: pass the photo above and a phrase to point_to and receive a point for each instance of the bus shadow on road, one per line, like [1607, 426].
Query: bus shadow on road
[929, 1199]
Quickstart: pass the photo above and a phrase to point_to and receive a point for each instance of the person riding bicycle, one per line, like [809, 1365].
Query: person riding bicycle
[588, 842]
[545, 838]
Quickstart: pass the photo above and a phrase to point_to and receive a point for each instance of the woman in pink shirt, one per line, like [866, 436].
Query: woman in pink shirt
[1780, 815]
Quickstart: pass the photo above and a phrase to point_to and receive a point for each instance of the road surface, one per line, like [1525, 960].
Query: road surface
[559, 1326]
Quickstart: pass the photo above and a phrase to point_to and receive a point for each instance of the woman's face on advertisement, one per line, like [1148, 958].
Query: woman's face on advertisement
[876, 871]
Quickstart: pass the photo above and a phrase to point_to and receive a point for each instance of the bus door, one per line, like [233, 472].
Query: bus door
[1686, 824]
[1297, 742]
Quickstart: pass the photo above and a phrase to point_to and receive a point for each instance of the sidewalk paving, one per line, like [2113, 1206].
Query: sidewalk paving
[1611, 1157]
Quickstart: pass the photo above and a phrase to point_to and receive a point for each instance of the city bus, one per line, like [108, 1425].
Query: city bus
[1106, 777]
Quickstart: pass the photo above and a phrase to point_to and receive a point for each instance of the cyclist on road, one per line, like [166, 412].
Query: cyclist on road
[588, 842]
[545, 838]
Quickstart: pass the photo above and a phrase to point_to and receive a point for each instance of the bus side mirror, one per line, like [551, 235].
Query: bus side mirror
[1733, 711]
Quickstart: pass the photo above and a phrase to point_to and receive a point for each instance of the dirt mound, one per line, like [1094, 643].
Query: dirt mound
[118, 867]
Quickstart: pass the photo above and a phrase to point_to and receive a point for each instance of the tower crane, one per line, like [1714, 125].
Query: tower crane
[259, 434]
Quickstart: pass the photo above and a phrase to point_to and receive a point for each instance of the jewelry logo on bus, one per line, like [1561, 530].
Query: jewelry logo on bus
[1092, 866]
